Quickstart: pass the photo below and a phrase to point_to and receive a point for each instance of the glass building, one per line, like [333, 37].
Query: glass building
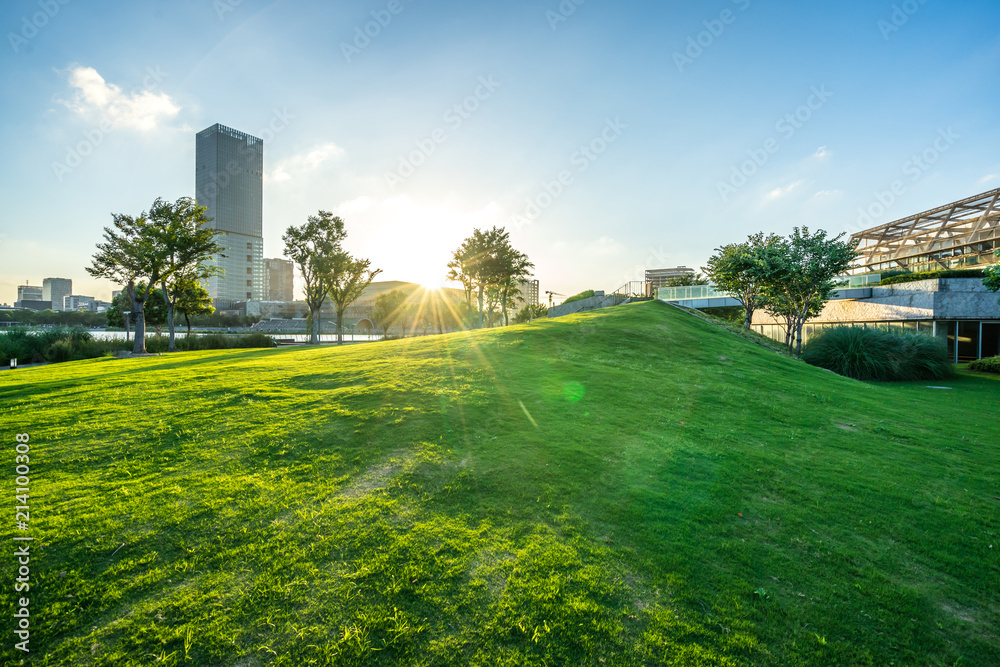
[229, 167]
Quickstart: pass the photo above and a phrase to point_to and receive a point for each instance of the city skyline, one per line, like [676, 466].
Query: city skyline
[613, 139]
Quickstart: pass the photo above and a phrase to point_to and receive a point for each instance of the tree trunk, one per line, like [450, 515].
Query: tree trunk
[139, 342]
[187, 321]
[480, 306]
[313, 325]
[340, 332]
[170, 318]
[503, 307]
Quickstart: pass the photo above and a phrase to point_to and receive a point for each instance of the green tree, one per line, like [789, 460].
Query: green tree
[188, 243]
[314, 247]
[742, 270]
[531, 311]
[803, 277]
[350, 277]
[191, 299]
[486, 264]
[131, 252]
[154, 315]
[389, 308]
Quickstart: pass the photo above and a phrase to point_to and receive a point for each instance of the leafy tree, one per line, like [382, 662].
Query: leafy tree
[188, 243]
[155, 314]
[190, 299]
[803, 277]
[389, 308]
[487, 265]
[531, 311]
[131, 252]
[348, 281]
[742, 270]
[314, 247]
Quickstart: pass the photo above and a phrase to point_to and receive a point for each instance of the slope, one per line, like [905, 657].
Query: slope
[631, 486]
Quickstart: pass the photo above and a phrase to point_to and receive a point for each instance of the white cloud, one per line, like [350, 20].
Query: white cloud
[141, 109]
[821, 152]
[828, 193]
[777, 193]
[297, 165]
[991, 177]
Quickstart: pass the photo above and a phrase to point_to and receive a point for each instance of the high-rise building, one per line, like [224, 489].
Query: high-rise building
[54, 289]
[279, 277]
[229, 181]
[529, 291]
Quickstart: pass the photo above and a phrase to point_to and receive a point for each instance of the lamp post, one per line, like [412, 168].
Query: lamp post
[127, 318]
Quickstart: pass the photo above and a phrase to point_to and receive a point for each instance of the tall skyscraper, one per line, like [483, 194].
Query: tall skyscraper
[279, 276]
[229, 181]
[54, 289]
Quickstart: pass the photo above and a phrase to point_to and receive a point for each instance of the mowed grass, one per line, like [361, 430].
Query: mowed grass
[628, 487]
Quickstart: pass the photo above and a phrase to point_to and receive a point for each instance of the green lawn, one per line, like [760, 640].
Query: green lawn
[631, 486]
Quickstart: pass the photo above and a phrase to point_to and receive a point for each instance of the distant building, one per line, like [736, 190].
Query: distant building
[279, 279]
[229, 181]
[79, 302]
[27, 293]
[659, 277]
[529, 292]
[54, 289]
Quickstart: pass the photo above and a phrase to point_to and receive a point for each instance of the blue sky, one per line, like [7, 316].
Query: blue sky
[674, 127]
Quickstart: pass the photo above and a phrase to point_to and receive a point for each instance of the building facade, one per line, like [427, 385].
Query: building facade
[279, 280]
[529, 292]
[229, 181]
[659, 277]
[79, 302]
[961, 235]
[26, 293]
[55, 289]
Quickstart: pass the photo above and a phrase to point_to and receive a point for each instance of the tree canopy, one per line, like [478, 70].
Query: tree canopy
[487, 265]
[314, 248]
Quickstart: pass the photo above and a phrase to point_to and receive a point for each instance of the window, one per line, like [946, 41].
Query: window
[249, 296]
[249, 246]
[249, 258]
[249, 270]
[249, 283]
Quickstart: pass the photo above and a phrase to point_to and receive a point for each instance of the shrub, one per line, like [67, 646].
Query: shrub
[896, 277]
[880, 355]
[987, 365]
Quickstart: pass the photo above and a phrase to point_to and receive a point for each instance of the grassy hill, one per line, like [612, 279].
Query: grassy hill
[630, 486]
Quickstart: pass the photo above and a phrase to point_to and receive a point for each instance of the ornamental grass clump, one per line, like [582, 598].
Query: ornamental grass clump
[879, 355]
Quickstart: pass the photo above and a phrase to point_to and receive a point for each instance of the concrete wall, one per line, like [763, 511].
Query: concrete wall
[937, 299]
[592, 303]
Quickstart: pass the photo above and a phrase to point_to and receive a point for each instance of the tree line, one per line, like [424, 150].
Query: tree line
[789, 278]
